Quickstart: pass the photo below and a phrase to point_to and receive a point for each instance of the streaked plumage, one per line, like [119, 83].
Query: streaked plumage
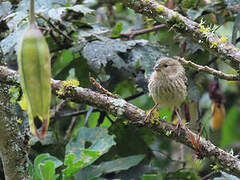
[168, 84]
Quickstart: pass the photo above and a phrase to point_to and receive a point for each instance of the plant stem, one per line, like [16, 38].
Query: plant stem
[31, 12]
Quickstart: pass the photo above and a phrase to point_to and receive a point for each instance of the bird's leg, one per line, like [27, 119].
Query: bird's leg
[179, 124]
[149, 115]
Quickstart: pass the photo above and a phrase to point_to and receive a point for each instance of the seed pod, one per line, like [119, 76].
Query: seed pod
[35, 73]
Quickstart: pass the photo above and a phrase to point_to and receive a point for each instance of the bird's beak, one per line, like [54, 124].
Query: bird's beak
[156, 67]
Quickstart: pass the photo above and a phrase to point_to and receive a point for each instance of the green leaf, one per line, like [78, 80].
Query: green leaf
[15, 93]
[93, 31]
[120, 164]
[151, 177]
[58, 13]
[226, 176]
[64, 58]
[88, 145]
[117, 30]
[99, 53]
[148, 55]
[182, 175]
[41, 159]
[47, 170]
[5, 8]
[73, 166]
[9, 43]
[230, 130]
[110, 166]
[30, 169]
[193, 90]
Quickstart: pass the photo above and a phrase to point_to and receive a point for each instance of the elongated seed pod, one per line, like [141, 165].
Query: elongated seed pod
[35, 73]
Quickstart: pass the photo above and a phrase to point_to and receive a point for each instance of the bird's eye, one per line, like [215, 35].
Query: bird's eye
[165, 65]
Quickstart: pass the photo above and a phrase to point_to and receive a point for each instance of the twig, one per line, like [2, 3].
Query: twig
[219, 74]
[132, 34]
[101, 118]
[208, 175]
[207, 64]
[90, 110]
[134, 96]
[55, 27]
[75, 113]
[102, 89]
[110, 119]
[70, 127]
[58, 108]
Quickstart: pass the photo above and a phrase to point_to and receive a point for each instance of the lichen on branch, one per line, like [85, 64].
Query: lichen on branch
[197, 32]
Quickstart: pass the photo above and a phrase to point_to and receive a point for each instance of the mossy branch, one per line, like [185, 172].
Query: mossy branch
[120, 108]
[206, 69]
[197, 32]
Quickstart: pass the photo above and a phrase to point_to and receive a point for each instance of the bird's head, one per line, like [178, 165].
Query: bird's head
[168, 67]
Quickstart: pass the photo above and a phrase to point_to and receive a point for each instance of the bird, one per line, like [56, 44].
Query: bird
[168, 86]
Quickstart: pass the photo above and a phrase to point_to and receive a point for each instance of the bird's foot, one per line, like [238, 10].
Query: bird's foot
[150, 115]
[179, 126]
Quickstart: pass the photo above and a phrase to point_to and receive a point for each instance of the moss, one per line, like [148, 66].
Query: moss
[159, 9]
[19, 120]
[177, 22]
[168, 133]
[60, 91]
[223, 39]
[70, 82]
[202, 28]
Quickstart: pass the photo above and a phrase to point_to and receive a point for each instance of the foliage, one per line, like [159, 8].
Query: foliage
[78, 156]
[85, 39]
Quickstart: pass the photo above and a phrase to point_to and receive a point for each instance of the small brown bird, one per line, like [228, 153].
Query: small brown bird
[168, 85]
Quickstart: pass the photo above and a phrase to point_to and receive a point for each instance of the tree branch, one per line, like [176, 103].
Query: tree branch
[181, 24]
[12, 147]
[134, 33]
[219, 74]
[120, 108]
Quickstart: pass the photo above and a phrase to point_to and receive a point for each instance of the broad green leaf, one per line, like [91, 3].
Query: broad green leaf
[92, 31]
[5, 8]
[41, 159]
[58, 13]
[110, 166]
[64, 58]
[88, 145]
[9, 42]
[30, 169]
[117, 30]
[230, 129]
[99, 53]
[151, 177]
[226, 176]
[120, 164]
[73, 166]
[148, 55]
[182, 175]
[47, 170]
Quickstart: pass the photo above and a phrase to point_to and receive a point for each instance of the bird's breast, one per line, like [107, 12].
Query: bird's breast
[168, 92]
